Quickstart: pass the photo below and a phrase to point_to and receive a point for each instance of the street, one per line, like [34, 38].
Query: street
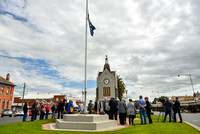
[193, 118]
[7, 119]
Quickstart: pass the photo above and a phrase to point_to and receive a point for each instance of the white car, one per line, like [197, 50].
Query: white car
[7, 112]
[19, 112]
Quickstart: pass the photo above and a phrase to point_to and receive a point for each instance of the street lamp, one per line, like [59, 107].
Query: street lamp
[126, 93]
[190, 76]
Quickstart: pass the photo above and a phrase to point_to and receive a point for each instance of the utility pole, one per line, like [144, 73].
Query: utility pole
[23, 94]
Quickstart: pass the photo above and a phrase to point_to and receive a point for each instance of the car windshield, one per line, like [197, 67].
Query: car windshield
[7, 109]
[19, 110]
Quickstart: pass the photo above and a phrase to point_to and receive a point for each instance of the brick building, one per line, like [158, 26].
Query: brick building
[31, 98]
[6, 93]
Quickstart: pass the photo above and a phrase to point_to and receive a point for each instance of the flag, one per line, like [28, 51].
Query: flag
[92, 28]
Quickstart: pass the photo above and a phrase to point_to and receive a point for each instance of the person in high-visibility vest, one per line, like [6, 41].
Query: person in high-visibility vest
[70, 107]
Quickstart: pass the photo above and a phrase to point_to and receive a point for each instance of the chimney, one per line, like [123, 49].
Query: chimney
[8, 77]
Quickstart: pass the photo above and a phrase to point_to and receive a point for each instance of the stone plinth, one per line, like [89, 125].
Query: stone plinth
[84, 122]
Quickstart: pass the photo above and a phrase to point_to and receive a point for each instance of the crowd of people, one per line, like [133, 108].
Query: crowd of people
[42, 109]
[114, 107]
[111, 107]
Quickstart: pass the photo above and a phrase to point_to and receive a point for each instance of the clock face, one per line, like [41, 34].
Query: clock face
[106, 81]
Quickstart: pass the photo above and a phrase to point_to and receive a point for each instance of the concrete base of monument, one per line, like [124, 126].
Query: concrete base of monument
[85, 122]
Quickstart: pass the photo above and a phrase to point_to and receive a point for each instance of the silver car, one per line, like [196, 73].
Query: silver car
[19, 112]
[7, 112]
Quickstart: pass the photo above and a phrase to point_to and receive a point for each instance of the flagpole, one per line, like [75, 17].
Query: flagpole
[86, 56]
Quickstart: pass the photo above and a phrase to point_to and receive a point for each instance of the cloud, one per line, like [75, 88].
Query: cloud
[148, 43]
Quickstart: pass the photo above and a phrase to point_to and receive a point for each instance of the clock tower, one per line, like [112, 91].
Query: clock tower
[106, 83]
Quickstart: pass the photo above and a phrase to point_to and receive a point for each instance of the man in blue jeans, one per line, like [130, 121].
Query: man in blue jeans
[142, 105]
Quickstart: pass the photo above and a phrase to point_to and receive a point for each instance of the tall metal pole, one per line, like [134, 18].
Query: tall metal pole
[86, 56]
[192, 87]
[191, 83]
[23, 95]
[193, 91]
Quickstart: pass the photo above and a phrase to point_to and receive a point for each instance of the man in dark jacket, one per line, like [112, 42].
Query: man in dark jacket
[90, 107]
[177, 108]
[148, 109]
[60, 109]
[34, 111]
[53, 109]
[25, 110]
[168, 108]
[113, 108]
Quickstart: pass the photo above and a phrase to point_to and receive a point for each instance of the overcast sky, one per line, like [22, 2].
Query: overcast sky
[148, 43]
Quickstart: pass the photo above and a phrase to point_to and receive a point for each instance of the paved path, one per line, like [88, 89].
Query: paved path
[192, 118]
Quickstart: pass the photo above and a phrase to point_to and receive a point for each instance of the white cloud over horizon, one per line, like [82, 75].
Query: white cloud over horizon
[148, 43]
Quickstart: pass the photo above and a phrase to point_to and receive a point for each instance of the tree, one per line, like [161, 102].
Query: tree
[120, 86]
[159, 99]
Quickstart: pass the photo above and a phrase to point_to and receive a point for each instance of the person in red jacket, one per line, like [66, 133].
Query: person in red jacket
[47, 110]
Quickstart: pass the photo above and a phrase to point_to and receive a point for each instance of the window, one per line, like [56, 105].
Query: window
[57, 99]
[106, 91]
[7, 104]
[7, 90]
[3, 104]
[1, 89]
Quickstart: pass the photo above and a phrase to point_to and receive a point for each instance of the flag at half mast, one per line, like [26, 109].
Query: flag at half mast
[92, 28]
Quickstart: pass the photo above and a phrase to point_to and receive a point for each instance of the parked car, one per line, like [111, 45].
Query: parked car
[7, 112]
[19, 112]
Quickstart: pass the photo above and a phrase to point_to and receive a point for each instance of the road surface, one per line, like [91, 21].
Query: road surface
[193, 118]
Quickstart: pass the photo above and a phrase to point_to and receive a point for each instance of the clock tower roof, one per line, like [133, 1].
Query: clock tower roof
[106, 66]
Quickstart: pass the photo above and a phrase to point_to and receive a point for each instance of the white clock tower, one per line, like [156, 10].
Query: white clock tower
[106, 83]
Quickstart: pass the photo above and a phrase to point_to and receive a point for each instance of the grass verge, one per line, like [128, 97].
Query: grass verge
[157, 127]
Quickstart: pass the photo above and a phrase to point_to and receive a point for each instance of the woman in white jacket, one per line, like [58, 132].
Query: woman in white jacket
[131, 111]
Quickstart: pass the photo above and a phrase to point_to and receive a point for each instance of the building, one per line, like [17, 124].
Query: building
[6, 93]
[31, 98]
[106, 83]
[187, 103]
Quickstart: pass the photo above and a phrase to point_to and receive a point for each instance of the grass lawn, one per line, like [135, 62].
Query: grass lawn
[155, 128]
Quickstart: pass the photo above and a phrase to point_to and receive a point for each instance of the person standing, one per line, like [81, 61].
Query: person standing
[53, 109]
[56, 111]
[80, 107]
[148, 109]
[142, 105]
[70, 107]
[168, 108]
[104, 104]
[113, 108]
[60, 108]
[25, 109]
[131, 110]
[37, 109]
[125, 115]
[97, 106]
[107, 108]
[122, 112]
[65, 105]
[34, 111]
[42, 110]
[90, 107]
[47, 110]
[177, 108]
